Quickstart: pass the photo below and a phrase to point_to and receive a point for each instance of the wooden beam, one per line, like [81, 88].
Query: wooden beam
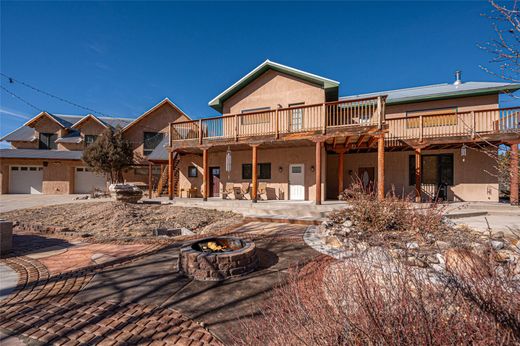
[418, 175]
[317, 170]
[334, 142]
[371, 141]
[513, 185]
[346, 141]
[254, 187]
[360, 140]
[381, 167]
[170, 175]
[205, 174]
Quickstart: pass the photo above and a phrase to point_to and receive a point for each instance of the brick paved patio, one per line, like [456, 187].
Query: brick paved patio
[110, 294]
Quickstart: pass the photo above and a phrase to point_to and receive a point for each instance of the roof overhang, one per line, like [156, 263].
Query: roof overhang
[43, 114]
[87, 117]
[145, 114]
[330, 86]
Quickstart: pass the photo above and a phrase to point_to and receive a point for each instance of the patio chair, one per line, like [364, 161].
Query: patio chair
[244, 190]
[262, 190]
[228, 191]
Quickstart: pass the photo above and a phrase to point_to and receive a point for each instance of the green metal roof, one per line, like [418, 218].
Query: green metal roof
[330, 86]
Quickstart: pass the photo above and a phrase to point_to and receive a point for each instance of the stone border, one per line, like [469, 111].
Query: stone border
[218, 266]
[311, 238]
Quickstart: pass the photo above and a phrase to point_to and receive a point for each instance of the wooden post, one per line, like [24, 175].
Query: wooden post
[379, 112]
[513, 185]
[236, 128]
[341, 165]
[473, 125]
[381, 167]
[200, 131]
[317, 170]
[205, 174]
[418, 175]
[254, 178]
[277, 128]
[150, 181]
[170, 175]
[324, 117]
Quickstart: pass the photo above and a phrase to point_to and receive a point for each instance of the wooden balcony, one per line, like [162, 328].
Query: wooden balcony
[473, 125]
[280, 123]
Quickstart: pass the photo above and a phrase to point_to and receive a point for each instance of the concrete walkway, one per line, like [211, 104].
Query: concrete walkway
[14, 202]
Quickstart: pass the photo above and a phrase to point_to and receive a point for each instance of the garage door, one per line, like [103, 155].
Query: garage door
[26, 179]
[86, 181]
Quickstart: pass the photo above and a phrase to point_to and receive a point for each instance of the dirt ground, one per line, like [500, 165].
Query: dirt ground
[117, 220]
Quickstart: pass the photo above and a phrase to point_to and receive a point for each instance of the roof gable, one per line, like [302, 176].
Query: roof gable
[330, 86]
[151, 110]
[89, 117]
[49, 116]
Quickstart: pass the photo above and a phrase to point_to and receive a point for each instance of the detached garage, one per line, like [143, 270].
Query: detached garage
[26, 179]
[86, 181]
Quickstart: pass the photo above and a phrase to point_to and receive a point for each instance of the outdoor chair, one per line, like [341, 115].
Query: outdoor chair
[228, 191]
[244, 190]
[262, 190]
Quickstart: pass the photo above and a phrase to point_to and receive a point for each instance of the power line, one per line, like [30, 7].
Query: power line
[12, 80]
[20, 98]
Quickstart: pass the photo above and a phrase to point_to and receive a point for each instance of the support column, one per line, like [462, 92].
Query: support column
[341, 166]
[418, 175]
[317, 170]
[254, 178]
[170, 175]
[513, 184]
[381, 167]
[150, 187]
[205, 174]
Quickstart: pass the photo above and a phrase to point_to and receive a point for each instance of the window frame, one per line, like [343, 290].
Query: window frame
[248, 168]
[440, 170]
[87, 143]
[192, 169]
[412, 117]
[147, 143]
[251, 119]
[49, 143]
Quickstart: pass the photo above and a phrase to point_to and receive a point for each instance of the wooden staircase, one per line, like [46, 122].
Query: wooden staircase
[162, 184]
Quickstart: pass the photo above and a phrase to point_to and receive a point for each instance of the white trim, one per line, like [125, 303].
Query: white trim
[163, 102]
[215, 100]
[89, 116]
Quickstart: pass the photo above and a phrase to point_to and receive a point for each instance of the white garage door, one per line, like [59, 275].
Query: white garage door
[26, 179]
[86, 181]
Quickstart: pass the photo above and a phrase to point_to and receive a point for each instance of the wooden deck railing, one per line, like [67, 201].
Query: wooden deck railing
[452, 124]
[276, 122]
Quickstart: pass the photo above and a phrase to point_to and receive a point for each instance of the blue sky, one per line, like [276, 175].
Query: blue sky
[121, 58]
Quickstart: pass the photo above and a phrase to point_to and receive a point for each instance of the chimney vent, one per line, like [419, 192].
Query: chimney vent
[458, 78]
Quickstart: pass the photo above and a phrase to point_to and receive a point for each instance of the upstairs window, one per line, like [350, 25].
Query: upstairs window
[432, 118]
[89, 139]
[151, 141]
[264, 171]
[48, 141]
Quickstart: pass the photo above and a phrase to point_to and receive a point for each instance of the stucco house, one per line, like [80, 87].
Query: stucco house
[280, 131]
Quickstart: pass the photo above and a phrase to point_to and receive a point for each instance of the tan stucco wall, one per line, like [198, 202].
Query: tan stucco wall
[474, 179]
[273, 89]
[90, 127]
[157, 121]
[277, 186]
[462, 104]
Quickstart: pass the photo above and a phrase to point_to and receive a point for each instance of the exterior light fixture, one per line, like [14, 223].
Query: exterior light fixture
[463, 152]
[280, 169]
[228, 161]
[312, 168]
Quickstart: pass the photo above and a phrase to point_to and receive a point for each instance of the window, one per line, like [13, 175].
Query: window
[436, 169]
[151, 141]
[264, 171]
[432, 118]
[255, 118]
[89, 139]
[192, 172]
[47, 141]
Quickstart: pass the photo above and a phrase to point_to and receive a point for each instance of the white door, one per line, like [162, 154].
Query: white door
[296, 182]
[26, 179]
[86, 181]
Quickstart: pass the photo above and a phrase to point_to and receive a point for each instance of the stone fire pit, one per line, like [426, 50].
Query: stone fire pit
[217, 259]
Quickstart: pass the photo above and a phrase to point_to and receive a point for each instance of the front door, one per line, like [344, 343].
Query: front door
[214, 181]
[296, 182]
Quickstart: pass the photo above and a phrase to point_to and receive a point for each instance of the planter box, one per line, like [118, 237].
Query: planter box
[126, 193]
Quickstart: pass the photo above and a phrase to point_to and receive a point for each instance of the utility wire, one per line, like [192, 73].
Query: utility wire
[12, 80]
[20, 98]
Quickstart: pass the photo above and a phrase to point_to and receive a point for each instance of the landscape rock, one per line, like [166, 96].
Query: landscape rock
[463, 262]
[506, 256]
[126, 193]
[497, 244]
[333, 241]
[347, 223]
[442, 245]
[412, 245]
[414, 261]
